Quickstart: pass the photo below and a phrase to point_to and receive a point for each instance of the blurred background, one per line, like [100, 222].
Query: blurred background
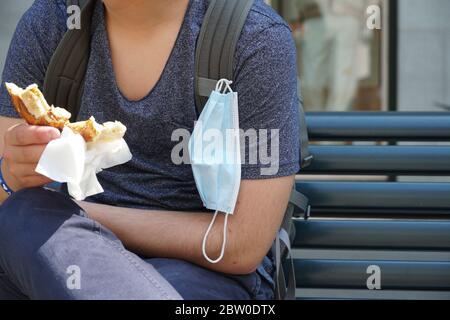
[345, 66]
[10, 13]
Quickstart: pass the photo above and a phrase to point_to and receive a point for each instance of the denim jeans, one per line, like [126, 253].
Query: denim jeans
[50, 249]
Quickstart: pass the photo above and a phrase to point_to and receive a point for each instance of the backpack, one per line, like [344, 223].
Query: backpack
[216, 45]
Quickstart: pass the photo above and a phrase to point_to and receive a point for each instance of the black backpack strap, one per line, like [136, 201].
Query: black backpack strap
[305, 156]
[216, 45]
[64, 80]
[80, 3]
[301, 203]
[282, 253]
[281, 248]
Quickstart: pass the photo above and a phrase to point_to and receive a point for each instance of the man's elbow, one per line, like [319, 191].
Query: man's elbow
[244, 262]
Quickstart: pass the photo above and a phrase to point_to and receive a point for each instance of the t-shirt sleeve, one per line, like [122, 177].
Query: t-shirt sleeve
[35, 39]
[266, 83]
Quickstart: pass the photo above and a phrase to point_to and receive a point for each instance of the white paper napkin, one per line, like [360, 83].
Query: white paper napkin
[70, 159]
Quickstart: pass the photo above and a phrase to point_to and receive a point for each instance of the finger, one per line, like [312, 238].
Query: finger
[24, 154]
[24, 135]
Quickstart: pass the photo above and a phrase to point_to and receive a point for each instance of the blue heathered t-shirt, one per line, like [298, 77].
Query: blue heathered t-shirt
[265, 79]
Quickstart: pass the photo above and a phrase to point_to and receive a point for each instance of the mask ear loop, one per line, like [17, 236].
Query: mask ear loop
[205, 238]
[221, 83]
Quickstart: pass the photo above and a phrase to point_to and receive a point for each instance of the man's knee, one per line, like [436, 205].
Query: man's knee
[28, 213]
[28, 201]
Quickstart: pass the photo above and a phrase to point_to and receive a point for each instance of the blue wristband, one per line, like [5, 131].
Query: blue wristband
[3, 184]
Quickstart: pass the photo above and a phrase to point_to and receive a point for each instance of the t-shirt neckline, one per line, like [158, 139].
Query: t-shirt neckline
[109, 63]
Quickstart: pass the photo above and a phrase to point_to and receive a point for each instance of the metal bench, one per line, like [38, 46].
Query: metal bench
[375, 230]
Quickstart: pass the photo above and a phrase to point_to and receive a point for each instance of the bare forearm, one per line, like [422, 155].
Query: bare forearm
[250, 233]
[168, 234]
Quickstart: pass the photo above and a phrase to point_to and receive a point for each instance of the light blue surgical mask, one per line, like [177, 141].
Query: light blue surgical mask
[214, 151]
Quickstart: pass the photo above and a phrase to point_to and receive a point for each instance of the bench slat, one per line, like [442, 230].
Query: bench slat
[376, 194]
[380, 160]
[305, 294]
[354, 274]
[368, 254]
[398, 126]
[394, 235]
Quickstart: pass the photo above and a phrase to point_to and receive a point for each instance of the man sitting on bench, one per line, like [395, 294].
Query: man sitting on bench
[142, 237]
